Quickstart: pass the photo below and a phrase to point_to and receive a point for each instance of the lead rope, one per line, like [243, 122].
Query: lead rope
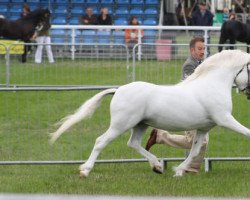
[248, 83]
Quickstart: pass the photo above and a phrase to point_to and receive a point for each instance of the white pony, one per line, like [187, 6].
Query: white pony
[200, 102]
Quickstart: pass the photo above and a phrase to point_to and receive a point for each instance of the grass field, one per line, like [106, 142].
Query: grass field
[27, 118]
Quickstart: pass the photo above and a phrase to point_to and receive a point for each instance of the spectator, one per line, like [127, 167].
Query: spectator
[43, 39]
[202, 17]
[225, 14]
[196, 48]
[89, 18]
[132, 35]
[104, 18]
[26, 10]
[232, 16]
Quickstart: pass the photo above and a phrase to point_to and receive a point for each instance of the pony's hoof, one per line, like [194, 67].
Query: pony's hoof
[179, 173]
[83, 174]
[158, 169]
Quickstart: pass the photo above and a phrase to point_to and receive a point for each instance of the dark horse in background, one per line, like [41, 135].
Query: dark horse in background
[24, 28]
[233, 31]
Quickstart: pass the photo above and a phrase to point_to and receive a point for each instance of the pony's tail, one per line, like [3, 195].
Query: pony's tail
[86, 110]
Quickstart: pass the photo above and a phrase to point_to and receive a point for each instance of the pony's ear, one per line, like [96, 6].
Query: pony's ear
[47, 13]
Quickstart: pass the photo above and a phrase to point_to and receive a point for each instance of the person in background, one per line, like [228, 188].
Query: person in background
[202, 17]
[104, 18]
[232, 16]
[42, 37]
[132, 35]
[225, 14]
[196, 48]
[89, 18]
[26, 10]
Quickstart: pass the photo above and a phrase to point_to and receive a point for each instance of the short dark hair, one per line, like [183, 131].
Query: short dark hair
[131, 19]
[202, 3]
[195, 40]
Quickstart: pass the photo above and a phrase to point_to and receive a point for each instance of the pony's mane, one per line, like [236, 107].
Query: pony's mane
[226, 58]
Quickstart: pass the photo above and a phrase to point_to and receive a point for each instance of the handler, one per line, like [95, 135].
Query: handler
[157, 136]
[43, 38]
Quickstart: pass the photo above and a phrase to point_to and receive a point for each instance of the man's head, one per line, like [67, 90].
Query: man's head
[89, 11]
[26, 9]
[133, 21]
[202, 7]
[232, 16]
[197, 48]
[104, 11]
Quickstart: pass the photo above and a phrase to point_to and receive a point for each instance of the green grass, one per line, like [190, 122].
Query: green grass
[127, 179]
[27, 118]
[89, 72]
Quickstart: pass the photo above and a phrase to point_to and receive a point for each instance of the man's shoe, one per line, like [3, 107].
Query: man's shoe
[152, 139]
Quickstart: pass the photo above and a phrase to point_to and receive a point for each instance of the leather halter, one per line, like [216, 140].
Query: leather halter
[247, 88]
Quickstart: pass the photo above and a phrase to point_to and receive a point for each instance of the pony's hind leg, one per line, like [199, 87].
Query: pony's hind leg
[100, 144]
[135, 143]
[223, 40]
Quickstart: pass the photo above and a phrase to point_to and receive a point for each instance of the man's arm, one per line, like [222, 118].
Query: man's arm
[81, 19]
[187, 70]
[193, 19]
[93, 20]
[211, 19]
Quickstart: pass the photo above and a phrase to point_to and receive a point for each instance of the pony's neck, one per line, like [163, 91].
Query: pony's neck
[33, 17]
[222, 77]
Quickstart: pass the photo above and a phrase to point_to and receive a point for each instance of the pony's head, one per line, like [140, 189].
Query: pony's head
[242, 80]
[240, 62]
[39, 15]
[236, 61]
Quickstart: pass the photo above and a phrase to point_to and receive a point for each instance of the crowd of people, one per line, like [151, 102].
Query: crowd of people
[201, 16]
[89, 18]
[42, 36]
[131, 35]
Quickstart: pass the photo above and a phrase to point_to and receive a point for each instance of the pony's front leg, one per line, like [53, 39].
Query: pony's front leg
[228, 121]
[24, 55]
[222, 41]
[198, 142]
